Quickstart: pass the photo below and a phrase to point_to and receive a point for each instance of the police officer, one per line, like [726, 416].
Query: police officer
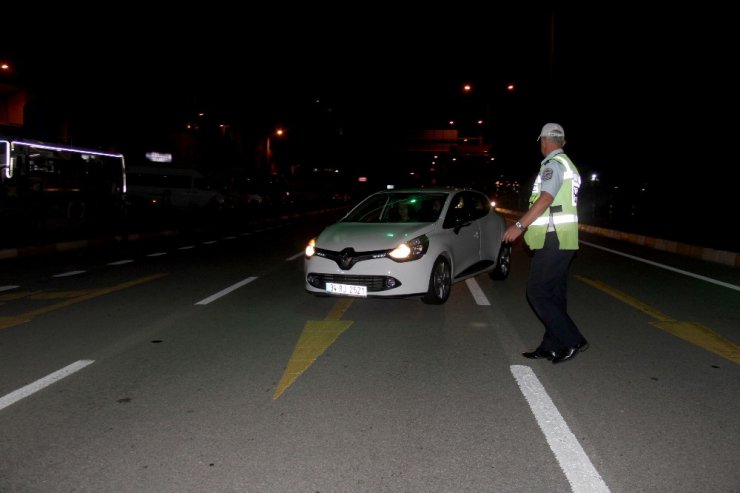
[550, 229]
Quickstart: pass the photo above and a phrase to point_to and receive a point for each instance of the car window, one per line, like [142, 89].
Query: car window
[370, 210]
[431, 207]
[398, 207]
[466, 206]
[479, 205]
[457, 210]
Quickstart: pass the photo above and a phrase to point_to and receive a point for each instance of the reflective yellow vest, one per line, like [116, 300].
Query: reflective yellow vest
[562, 210]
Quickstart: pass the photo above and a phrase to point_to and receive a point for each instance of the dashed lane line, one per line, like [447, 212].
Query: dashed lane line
[33, 387]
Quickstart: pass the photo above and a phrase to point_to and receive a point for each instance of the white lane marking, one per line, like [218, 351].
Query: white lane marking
[210, 242]
[186, 247]
[667, 267]
[120, 262]
[229, 237]
[245, 234]
[226, 291]
[477, 292]
[156, 254]
[574, 462]
[8, 288]
[70, 273]
[29, 389]
[293, 257]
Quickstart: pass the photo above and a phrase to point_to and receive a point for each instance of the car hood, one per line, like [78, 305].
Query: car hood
[366, 237]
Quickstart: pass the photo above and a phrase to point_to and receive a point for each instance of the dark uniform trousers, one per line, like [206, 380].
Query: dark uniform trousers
[546, 292]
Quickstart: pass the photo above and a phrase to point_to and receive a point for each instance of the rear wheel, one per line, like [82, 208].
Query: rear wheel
[440, 283]
[503, 263]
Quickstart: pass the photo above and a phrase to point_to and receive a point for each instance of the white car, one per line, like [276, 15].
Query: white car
[179, 188]
[407, 243]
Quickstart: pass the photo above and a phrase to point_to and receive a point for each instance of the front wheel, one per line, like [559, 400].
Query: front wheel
[440, 283]
[503, 263]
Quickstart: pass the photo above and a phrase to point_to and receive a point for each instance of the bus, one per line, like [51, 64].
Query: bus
[46, 186]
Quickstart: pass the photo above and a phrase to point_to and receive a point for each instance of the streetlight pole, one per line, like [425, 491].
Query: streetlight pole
[272, 166]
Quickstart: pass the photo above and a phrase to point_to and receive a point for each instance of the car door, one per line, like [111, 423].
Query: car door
[492, 227]
[464, 231]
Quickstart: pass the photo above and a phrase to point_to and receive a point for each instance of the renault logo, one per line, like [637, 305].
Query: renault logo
[346, 259]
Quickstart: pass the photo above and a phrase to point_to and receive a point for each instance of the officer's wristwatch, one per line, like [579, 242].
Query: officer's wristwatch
[519, 225]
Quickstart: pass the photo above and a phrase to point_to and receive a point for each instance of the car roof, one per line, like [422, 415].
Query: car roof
[419, 190]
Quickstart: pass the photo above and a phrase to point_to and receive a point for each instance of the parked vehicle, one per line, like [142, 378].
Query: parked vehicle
[167, 187]
[412, 242]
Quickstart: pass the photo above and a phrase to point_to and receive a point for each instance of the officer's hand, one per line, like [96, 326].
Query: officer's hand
[511, 234]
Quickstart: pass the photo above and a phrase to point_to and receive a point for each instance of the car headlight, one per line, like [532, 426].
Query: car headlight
[410, 250]
[311, 248]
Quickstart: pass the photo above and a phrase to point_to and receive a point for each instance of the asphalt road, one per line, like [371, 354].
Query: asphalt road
[198, 363]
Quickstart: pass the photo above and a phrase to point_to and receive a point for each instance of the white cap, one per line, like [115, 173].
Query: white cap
[552, 130]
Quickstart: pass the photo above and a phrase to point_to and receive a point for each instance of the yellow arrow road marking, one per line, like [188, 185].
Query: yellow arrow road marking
[6, 322]
[692, 332]
[17, 295]
[316, 337]
[59, 295]
[702, 336]
[338, 309]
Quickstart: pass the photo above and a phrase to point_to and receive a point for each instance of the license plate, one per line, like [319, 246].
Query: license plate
[346, 289]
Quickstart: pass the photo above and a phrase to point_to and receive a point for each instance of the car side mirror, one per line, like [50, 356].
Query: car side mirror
[460, 222]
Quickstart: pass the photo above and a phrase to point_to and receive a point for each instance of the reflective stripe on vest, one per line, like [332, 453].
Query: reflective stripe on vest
[556, 219]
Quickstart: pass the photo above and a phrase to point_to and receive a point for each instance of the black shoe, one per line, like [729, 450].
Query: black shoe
[582, 346]
[566, 355]
[539, 353]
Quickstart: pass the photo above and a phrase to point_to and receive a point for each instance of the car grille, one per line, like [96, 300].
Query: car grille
[347, 258]
[373, 283]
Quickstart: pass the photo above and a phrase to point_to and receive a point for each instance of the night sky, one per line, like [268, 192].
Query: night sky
[642, 96]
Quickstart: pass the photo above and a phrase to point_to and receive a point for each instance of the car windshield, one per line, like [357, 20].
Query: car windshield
[398, 207]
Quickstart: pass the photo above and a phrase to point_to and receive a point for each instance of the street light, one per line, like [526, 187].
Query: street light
[268, 150]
